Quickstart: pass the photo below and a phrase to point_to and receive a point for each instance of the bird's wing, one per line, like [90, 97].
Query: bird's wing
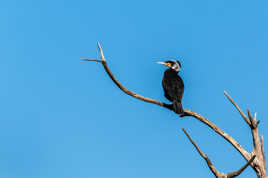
[173, 89]
[179, 88]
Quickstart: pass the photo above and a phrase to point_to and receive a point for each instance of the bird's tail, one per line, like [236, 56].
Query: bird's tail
[177, 107]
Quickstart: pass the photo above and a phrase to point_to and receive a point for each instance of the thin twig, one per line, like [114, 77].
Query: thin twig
[101, 52]
[97, 60]
[209, 163]
[236, 106]
[250, 118]
[237, 173]
[255, 118]
[249, 115]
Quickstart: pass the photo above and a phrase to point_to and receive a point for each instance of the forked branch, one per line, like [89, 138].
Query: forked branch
[237, 173]
[259, 165]
[108, 71]
[212, 167]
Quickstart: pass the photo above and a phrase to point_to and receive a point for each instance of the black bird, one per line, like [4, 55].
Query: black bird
[173, 85]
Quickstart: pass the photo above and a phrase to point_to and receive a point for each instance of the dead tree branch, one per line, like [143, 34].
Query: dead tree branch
[236, 106]
[212, 167]
[209, 163]
[119, 85]
[259, 164]
[256, 164]
[237, 173]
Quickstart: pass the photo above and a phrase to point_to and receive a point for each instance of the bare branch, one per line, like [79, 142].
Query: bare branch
[101, 52]
[249, 115]
[212, 167]
[135, 95]
[119, 85]
[236, 106]
[237, 173]
[253, 124]
[228, 138]
[96, 60]
[262, 151]
[209, 163]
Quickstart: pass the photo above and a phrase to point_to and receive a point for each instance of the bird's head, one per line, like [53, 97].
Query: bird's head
[172, 64]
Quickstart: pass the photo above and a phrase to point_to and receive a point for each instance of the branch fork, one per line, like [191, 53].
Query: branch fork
[212, 167]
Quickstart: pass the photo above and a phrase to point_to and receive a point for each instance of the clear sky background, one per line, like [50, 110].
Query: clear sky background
[64, 118]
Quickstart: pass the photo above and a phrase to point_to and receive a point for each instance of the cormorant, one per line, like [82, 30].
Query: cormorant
[173, 85]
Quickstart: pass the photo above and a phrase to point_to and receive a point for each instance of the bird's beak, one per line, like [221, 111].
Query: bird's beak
[163, 63]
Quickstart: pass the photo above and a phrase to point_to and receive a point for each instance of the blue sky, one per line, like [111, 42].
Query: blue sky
[64, 118]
